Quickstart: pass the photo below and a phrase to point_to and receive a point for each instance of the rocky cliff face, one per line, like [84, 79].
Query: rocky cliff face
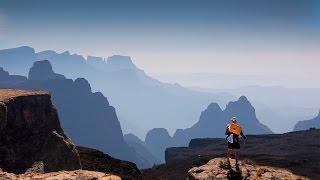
[219, 168]
[30, 134]
[307, 124]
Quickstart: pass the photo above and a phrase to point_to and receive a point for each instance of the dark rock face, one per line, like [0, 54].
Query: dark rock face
[158, 139]
[307, 124]
[30, 132]
[95, 160]
[42, 70]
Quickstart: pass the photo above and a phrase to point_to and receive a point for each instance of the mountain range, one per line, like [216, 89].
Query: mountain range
[128, 88]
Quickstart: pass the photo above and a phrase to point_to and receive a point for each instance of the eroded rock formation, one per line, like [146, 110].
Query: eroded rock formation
[30, 134]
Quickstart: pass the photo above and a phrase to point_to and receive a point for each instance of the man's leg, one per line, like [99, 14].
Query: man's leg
[237, 155]
[228, 154]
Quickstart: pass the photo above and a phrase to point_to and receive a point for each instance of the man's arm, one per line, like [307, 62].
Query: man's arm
[227, 131]
[242, 135]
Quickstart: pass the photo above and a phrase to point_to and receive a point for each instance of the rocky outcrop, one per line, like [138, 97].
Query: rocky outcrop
[219, 168]
[307, 124]
[61, 175]
[30, 134]
[42, 70]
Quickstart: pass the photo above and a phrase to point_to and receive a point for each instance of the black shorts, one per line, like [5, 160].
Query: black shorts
[233, 145]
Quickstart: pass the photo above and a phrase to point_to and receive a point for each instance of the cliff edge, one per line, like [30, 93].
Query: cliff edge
[31, 138]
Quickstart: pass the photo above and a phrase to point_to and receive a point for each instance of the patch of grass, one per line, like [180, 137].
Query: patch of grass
[261, 171]
[224, 164]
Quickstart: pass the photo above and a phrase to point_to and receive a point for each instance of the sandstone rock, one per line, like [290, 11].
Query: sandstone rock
[61, 175]
[30, 134]
[219, 168]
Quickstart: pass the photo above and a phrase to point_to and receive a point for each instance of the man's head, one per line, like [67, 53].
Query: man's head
[234, 120]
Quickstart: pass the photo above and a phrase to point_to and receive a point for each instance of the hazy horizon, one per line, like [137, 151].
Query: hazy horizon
[275, 39]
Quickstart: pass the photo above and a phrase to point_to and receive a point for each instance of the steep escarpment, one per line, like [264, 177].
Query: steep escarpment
[30, 134]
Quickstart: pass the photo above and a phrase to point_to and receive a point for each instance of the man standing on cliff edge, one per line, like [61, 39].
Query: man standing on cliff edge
[233, 131]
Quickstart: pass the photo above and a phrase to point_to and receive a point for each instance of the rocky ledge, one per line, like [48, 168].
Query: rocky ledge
[61, 175]
[219, 168]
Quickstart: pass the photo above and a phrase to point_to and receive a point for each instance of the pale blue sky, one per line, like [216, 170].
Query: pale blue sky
[269, 37]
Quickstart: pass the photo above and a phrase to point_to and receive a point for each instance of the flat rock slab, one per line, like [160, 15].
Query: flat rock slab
[219, 168]
[7, 94]
[61, 175]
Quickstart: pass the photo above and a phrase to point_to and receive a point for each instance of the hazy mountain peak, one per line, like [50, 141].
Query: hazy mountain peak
[214, 107]
[22, 49]
[66, 53]
[42, 70]
[82, 83]
[243, 99]
[3, 73]
[95, 58]
[120, 62]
